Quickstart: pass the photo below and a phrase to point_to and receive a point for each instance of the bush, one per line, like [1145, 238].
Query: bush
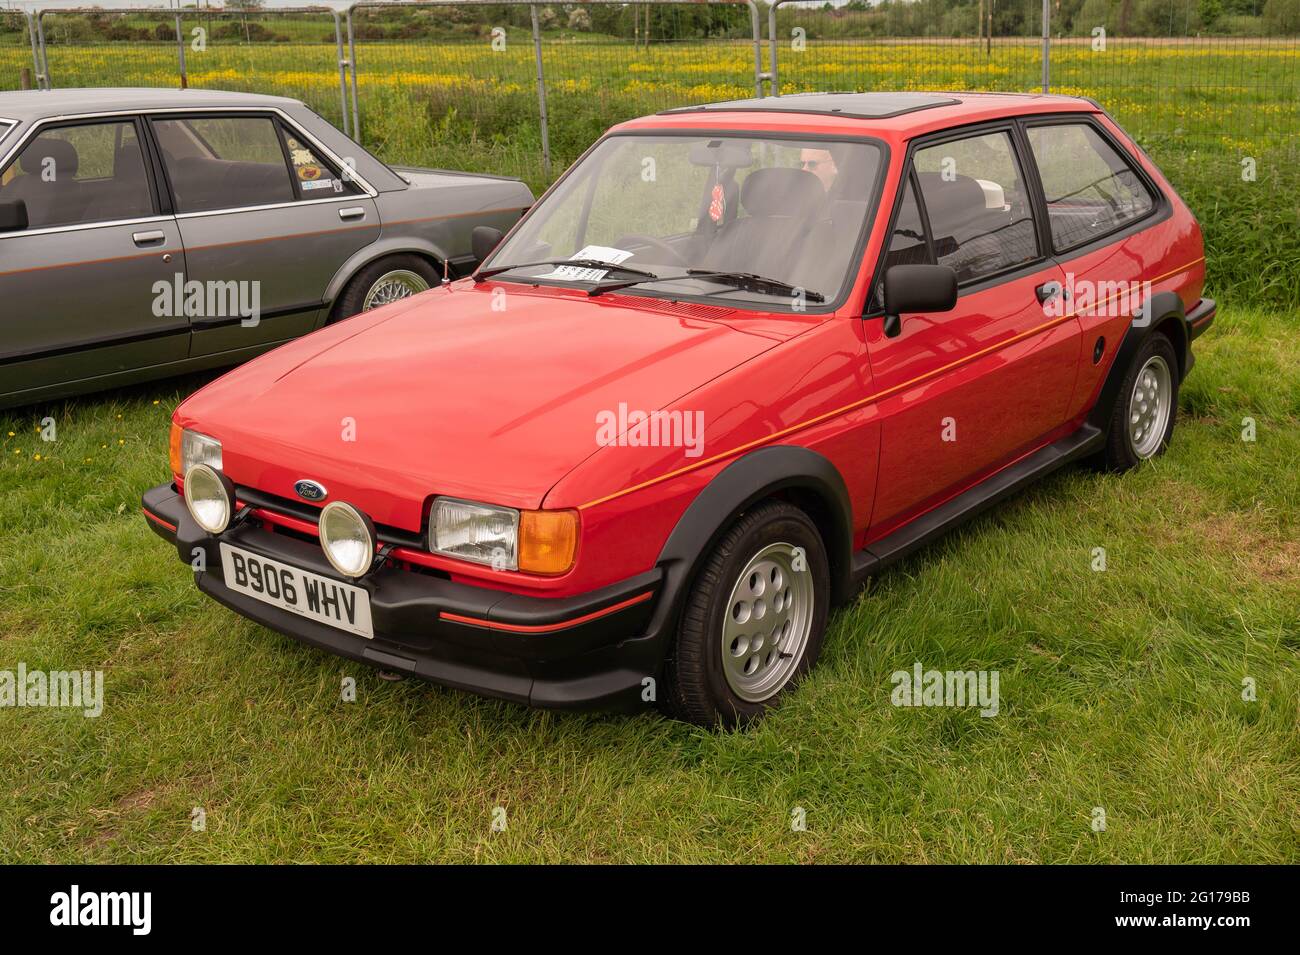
[1282, 17]
[249, 32]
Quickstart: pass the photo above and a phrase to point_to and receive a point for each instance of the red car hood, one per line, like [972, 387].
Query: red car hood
[443, 395]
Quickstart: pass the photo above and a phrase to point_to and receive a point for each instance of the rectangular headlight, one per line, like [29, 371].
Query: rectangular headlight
[195, 449]
[478, 532]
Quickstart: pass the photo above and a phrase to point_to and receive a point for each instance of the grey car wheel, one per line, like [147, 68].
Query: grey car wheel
[754, 619]
[1149, 406]
[392, 286]
[1145, 407]
[768, 620]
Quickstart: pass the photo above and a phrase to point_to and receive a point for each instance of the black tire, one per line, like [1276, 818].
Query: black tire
[696, 687]
[1120, 453]
[354, 294]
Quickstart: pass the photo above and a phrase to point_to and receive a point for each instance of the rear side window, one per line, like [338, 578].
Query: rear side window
[979, 210]
[224, 162]
[1090, 188]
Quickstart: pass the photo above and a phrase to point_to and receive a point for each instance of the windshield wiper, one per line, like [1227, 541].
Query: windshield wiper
[745, 281]
[482, 274]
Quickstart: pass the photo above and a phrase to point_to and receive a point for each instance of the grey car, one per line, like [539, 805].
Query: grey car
[147, 232]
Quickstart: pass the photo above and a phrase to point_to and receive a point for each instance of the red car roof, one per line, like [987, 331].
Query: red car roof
[890, 115]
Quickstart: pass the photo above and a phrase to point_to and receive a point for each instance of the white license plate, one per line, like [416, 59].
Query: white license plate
[298, 591]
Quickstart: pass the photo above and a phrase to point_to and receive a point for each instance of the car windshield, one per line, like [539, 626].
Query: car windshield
[736, 219]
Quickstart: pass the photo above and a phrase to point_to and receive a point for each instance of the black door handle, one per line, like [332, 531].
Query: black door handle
[1047, 291]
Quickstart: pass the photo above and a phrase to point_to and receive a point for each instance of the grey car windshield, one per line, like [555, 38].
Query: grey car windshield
[791, 212]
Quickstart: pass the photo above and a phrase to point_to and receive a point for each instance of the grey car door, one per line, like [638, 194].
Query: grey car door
[267, 218]
[80, 285]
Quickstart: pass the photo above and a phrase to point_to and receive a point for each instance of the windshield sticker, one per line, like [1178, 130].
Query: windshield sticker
[317, 184]
[574, 273]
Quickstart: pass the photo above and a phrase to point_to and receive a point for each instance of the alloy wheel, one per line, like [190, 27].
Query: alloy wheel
[768, 620]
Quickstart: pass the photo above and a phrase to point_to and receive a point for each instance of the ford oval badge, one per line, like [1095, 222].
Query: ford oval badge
[310, 490]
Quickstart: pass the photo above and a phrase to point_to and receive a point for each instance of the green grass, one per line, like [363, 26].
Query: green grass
[1119, 689]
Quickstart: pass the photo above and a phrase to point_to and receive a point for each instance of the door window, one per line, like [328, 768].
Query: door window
[1090, 189]
[224, 162]
[977, 204]
[86, 173]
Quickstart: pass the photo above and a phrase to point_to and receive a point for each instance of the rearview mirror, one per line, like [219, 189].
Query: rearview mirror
[917, 288]
[483, 240]
[13, 215]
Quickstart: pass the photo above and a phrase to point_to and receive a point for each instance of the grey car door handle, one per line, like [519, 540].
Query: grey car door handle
[149, 238]
[352, 212]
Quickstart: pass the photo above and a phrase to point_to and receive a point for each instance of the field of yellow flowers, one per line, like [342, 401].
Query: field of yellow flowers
[1230, 94]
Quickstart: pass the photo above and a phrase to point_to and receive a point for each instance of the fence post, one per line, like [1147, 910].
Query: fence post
[756, 26]
[352, 61]
[180, 52]
[40, 65]
[43, 79]
[343, 74]
[774, 77]
[36, 59]
[1047, 45]
[541, 92]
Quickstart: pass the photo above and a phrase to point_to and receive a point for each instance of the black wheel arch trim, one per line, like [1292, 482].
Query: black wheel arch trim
[802, 476]
[1167, 313]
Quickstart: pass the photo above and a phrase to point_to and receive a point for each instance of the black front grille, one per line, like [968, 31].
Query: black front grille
[310, 512]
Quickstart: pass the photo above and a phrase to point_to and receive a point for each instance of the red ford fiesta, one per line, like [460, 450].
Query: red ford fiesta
[739, 358]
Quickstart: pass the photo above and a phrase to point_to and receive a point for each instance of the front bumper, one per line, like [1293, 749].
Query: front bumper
[589, 652]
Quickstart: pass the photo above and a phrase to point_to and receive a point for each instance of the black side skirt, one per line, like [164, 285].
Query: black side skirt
[921, 531]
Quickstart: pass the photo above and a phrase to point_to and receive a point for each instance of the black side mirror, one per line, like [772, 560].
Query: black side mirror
[483, 240]
[13, 215]
[917, 288]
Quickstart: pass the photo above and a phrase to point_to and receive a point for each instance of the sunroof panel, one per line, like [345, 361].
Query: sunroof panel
[856, 105]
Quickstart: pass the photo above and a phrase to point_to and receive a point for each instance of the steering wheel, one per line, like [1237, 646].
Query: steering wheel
[636, 238]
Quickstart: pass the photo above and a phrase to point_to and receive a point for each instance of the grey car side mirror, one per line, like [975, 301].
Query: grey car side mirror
[917, 288]
[483, 240]
[13, 215]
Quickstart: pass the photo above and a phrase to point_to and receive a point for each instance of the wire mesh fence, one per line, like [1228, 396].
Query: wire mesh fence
[921, 45]
[17, 53]
[1211, 88]
[1182, 75]
[448, 73]
[287, 52]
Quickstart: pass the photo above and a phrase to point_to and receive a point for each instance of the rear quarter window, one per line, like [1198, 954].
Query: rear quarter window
[1090, 187]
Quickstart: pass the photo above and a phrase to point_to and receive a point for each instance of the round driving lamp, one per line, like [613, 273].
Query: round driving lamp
[348, 538]
[210, 497]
